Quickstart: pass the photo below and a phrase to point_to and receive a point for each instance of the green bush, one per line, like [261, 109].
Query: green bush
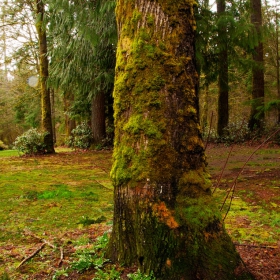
[81, 137]
[31, 142]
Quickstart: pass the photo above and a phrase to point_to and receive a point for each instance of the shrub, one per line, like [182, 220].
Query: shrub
[81, 137]
[31, 142]
[236, 132]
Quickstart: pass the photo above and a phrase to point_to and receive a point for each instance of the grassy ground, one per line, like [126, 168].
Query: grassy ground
[65, 201]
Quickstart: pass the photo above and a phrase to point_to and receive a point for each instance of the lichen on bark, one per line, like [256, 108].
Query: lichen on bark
[164, 217]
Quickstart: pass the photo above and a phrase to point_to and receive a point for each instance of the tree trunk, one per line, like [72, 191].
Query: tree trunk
[223, 111]
[165, 219]
[53, 113]
[68, 99]
[98, 117]
[257, 117]
[45, 91]
[277, 63]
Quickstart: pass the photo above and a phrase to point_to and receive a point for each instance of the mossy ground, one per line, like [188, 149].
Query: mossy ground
[56, 198]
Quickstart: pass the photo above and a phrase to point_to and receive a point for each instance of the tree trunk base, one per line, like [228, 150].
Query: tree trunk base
[187, 243]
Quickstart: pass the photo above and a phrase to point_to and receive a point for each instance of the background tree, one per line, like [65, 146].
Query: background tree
[257, 116]
[165, 219]
[46, 110]
[83, 59]
[223, 109]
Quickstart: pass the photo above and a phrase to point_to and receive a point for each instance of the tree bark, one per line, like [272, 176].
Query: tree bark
[98, 124]
[257, 116]
[223, 110]
[165, 219]
[68, 99]
[44, 73]
[277, 63]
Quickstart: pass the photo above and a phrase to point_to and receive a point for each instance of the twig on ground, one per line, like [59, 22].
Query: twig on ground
[32, 255]
[255, 246]
[61, 256]
[39, 238]
[45, 242]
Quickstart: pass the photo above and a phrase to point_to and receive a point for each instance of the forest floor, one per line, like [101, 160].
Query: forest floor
[50, 207]
[254, 217]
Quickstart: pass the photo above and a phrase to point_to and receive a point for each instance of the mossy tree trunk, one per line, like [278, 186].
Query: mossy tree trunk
[257, 116]
[165, 219]
[46, 111]
[223, 108]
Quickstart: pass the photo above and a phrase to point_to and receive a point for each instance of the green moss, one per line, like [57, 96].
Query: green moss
[136, 16]
[137, 125]
[197, 178]
[150, 20]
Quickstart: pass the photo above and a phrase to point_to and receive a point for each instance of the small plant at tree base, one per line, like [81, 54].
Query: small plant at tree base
[81, 137]
[139, 276]
[61, 272]
[31, 142]
[92, 257]
[112, 274]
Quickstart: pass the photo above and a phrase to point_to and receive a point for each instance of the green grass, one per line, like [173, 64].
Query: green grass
[58, 198]
[250, 223]
[50, 196]
[8, 153]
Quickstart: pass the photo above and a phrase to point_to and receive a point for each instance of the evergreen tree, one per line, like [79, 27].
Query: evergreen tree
[223, 106]
[83, 57]
[257, 115]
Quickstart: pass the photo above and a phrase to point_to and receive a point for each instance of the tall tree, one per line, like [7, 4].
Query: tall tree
[44, 73]
[257, 115]
[165, 219]
[223, 109]
[84, 56]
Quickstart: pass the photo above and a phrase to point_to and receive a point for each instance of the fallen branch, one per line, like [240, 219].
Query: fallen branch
[255, 246]
[61, 256]
[45, 242]
[32, 255]
[39, 238]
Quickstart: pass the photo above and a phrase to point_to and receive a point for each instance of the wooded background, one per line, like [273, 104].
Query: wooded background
[237, 50]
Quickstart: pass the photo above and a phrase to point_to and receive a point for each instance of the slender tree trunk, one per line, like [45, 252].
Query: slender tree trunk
[53, 113]
[98, 117]
[165, 220]
[45, 91]
[70, 124]
[256, 122]
[277, 62]
[205, 108]
[223, 110]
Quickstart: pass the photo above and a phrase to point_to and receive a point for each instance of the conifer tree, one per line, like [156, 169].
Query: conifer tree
[257, 115]
[223, 106]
